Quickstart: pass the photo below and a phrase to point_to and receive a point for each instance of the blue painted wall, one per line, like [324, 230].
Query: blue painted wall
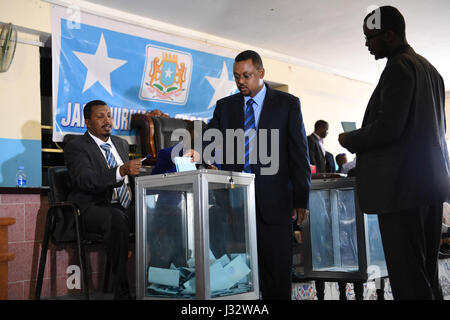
[16, 152]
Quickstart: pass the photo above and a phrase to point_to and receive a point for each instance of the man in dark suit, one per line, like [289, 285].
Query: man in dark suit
[317, 153]
[331, 165]
[402, 167]
[282, 195]
[101, 175]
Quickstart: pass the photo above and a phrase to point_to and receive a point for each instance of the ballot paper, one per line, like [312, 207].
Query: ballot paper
[191, 261]
[218, 277]
[348, 126]
[236, 270]
[244, 280]
[224, 260]
[227, 276]
[184, 164]
[167, 277]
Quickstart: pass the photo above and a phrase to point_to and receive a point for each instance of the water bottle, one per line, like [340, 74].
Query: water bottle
[21, 177]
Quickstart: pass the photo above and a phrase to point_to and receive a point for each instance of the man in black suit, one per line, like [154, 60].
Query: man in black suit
[317, 153]
[101, 175]
[331, 165]
[281, 195]
[402, 167]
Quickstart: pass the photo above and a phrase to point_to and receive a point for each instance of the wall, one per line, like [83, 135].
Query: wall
[323, 96]
[25, 239]
[20, 133]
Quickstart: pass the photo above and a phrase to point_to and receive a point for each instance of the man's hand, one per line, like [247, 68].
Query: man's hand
[193, 154]
[342, 138]
[301, 214]
[131, 167]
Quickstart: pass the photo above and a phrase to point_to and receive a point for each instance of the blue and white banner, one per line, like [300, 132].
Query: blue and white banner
[132, 69]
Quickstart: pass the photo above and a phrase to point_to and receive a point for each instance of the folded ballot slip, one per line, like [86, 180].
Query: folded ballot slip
[184, 164]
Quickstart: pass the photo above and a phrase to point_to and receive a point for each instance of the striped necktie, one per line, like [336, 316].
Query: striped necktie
[249, 134]
[123, 192]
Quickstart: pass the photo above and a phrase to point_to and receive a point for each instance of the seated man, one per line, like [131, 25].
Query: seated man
[100, 171]
[341, 159]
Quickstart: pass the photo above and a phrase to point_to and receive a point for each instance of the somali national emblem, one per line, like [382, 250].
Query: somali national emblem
[166, 76]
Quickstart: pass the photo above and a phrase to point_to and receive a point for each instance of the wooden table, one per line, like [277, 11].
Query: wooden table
[5, 256]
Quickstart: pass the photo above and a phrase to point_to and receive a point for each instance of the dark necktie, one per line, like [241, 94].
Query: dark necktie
[123, 192]
[249, 124]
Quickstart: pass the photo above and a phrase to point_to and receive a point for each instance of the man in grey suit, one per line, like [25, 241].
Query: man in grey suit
[403, 170]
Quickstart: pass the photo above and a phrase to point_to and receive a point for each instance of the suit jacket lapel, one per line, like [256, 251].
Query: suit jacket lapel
[267, 108]
[238, 111]
[94, 150]
[119, 146]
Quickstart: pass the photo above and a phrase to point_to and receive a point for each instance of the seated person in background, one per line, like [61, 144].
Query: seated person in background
[349, 168]
[164, 161]
[341, 158]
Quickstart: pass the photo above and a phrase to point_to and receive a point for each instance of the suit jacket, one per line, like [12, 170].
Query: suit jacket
[402, 157]
[164, 163]
[92, 181]
[316, 156]
[276, 194]
[330, 164]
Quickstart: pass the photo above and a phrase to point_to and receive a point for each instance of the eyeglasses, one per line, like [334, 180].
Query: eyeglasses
[246, 76]
[371, 36]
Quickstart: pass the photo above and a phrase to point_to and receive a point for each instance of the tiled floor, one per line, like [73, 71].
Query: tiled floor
[307, 291]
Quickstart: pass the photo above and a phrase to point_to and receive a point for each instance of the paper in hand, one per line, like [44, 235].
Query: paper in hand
[184, 164]
[348, 126]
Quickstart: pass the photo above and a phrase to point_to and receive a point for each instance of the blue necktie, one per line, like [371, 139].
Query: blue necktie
[124, 193]
[249, 124]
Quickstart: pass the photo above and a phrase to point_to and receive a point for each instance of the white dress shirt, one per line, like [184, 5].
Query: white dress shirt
[116, 155]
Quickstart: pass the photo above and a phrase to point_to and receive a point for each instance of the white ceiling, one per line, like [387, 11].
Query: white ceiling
[324, 32]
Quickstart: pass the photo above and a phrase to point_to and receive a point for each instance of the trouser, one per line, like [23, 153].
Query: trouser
[274, 260]
[411, 245]
[115, 224]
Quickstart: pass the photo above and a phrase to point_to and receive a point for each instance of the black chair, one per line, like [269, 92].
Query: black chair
[163, 131]
[63, 225]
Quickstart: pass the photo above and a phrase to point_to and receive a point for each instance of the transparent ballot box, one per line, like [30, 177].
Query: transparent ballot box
[196, 236]
[340, 241]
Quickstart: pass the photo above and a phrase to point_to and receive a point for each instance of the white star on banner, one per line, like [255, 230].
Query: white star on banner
[223, 87]
[99, 66]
